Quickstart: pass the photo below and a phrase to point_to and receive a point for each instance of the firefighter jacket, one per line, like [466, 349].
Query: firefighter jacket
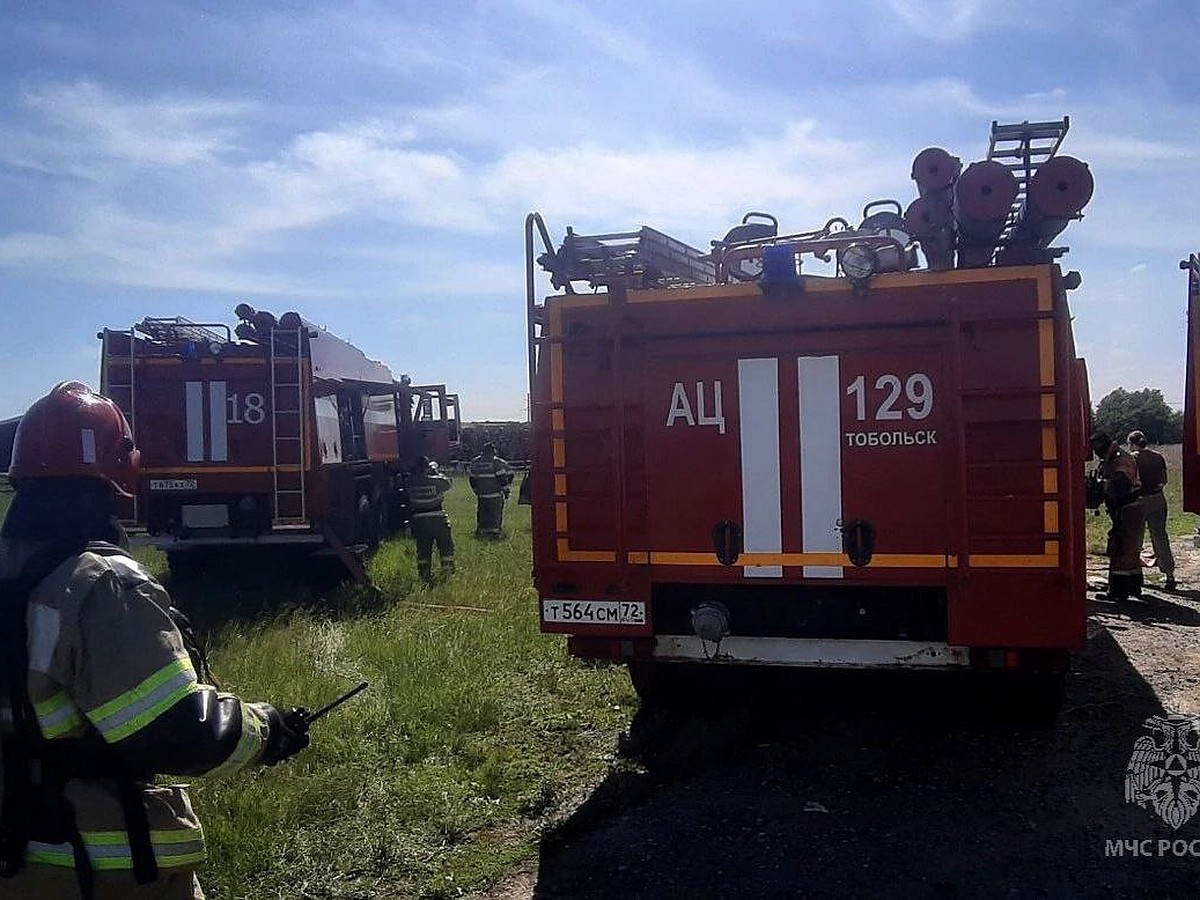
[489, 477]
[1122, 483]
[107, 662]
[425, 492]
[1152, 469]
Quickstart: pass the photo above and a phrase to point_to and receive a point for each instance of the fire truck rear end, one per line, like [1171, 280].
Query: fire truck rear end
[275, 433]
[737, 462]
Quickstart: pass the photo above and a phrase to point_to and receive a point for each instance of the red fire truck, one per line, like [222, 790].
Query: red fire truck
[737, 462]
[274, 432]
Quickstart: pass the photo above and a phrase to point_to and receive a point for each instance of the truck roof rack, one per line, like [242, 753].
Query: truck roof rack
[646, 258]
[171, 329]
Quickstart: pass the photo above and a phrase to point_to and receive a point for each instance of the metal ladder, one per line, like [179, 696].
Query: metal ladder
[287, 448]
[1021, 147]
[121, 393]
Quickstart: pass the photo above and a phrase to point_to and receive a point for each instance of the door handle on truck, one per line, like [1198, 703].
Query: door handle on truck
[727, 541]
[858, 541]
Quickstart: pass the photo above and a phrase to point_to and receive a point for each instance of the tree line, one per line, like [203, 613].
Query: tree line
[1122, 411]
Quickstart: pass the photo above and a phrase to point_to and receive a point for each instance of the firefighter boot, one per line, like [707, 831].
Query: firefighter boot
[425, 570]
[447, 567]
[1118, 587]
[1136, 583]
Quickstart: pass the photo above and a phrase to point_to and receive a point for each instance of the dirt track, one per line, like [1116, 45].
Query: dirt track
[851, 784]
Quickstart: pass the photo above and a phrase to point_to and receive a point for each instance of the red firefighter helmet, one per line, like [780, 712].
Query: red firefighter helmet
[74, 432]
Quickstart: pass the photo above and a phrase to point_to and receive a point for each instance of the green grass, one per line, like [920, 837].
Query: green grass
[435, 782]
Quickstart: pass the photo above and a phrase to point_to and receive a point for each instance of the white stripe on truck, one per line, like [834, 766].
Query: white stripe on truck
[758, 405]
[218, 437]
[820, 459]
[193, 392]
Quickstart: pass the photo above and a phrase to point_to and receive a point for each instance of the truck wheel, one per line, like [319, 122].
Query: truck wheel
[674, 685]
[1025, 698]
[185, 564]
[366, 522]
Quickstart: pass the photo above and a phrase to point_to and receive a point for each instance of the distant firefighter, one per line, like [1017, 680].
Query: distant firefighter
[1122, 500]
[430, 523]
[490, 480]
[1152, 469]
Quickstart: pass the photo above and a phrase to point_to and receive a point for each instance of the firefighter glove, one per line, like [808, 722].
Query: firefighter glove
[287, 734]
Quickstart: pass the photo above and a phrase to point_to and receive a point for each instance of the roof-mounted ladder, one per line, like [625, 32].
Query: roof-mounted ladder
[287, 428]
[1022, 147]
[121, 390]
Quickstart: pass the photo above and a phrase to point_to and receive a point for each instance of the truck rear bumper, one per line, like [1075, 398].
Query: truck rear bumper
[168, 543]
[814, 652]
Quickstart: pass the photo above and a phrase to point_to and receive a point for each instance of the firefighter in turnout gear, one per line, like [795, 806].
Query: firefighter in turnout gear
[430, 523]
[490, 480]
[1122, 500]
[102, 688]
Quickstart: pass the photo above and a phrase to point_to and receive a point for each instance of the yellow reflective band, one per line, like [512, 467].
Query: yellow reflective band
[110, 850]
[250, 744]
[57, 715]
[137, 708]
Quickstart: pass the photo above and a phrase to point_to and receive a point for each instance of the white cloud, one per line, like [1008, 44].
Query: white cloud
[21, 248]
[941, 21]
[795, 172]
[590, 31]
[328, 175]
[84, 119]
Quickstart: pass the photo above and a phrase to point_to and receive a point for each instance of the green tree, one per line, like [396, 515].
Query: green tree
[1122, 411]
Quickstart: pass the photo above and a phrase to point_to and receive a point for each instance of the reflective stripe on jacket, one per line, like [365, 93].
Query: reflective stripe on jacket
[425, 491]
[489, 477]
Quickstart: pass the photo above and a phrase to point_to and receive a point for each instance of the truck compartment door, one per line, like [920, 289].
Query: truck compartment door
[790, 446]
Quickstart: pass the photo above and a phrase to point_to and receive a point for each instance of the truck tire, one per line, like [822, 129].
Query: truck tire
[186, 565]
[675, 685]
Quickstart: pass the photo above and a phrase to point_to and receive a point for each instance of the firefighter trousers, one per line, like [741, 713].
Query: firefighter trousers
[489, 516]
[1154, 507]
[430, 529]
[1124, 550]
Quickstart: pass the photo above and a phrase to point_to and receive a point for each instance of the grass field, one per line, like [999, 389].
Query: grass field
[438, 779]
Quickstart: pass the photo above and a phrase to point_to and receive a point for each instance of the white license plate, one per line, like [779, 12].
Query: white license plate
[172, 484]
[206, 515]
[594, 612]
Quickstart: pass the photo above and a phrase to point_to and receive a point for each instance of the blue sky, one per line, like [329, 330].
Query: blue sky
[370, 164]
